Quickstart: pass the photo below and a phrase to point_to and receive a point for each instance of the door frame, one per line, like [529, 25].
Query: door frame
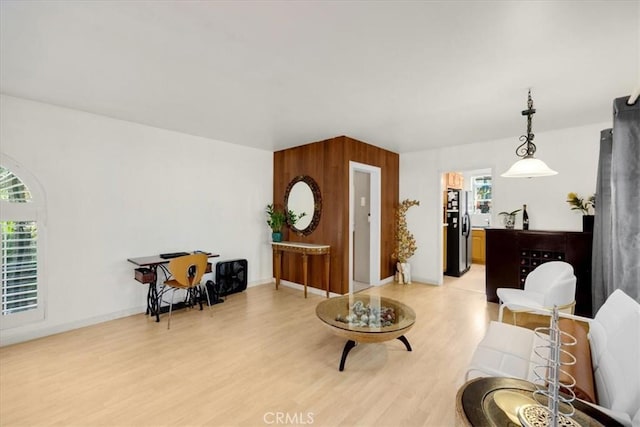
[375, 174]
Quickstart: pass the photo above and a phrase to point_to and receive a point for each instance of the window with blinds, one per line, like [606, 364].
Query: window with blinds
[19, 228]
[19, 266]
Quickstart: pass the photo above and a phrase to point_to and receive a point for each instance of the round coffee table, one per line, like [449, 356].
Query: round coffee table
[366, 319]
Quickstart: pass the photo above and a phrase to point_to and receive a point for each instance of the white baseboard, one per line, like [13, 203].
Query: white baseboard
[32, 331]
[259, 283]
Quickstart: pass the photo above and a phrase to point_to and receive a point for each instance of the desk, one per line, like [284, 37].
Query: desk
[148, 273]
[305, 249]
[482, 402]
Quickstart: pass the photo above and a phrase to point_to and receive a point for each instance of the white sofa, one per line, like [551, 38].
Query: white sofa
[614, 347]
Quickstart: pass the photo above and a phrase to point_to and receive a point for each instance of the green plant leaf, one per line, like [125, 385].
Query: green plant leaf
[510, 213]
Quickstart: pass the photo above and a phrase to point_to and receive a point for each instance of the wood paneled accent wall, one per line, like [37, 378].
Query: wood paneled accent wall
[327, 162]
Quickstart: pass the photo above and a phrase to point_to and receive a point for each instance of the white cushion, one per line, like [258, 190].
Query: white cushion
[507, 351]
[518, 299]
[614, 336]
[546, 275]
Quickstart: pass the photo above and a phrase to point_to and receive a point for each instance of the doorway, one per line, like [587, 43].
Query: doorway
[364, 229]
[476, 184]
[361, 230]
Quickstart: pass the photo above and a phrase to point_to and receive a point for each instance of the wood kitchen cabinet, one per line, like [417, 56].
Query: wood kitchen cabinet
[478, 246]
[454, 180]
[512, 254]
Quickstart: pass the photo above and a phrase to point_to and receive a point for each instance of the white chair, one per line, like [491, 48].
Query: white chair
[550, 284]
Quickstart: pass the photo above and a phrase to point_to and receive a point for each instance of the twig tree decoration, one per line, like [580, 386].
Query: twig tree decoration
[405, 242]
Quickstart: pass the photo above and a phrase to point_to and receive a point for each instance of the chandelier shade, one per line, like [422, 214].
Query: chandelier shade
[529, 167]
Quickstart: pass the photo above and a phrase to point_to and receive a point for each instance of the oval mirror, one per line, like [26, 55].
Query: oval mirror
[303, 197]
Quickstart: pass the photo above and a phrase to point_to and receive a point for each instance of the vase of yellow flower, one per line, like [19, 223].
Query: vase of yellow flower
[587, 223]
[405, 242]
[584, 205]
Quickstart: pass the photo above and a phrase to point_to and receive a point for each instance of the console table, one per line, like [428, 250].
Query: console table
[305, 249]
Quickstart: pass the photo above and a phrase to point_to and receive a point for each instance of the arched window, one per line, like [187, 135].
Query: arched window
[20, 226]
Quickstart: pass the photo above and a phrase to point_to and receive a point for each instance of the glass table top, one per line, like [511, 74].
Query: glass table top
[366, 314]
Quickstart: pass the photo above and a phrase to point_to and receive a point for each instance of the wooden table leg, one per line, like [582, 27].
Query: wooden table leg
[327, 260]
[277, 266]
[304, 272]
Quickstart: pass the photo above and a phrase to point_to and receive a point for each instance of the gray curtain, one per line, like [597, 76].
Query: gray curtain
[601, 270]
[616, 239]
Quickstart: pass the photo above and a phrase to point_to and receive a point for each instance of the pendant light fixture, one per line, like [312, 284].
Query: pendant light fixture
[528, 166]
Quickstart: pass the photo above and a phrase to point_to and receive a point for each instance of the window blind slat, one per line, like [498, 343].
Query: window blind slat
[15, 282]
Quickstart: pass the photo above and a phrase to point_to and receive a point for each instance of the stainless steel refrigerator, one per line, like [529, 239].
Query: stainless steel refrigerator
[459, 205]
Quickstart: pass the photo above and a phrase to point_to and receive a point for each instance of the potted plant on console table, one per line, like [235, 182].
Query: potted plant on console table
[509, 218]
[275, 220]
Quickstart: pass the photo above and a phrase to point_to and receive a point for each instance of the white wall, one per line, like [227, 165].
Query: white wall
[116, 190]
[573, 152]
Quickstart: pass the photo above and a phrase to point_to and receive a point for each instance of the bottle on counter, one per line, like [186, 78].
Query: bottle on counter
[525, 218]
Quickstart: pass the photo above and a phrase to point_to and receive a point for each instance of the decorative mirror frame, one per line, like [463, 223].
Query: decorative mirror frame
[317, 202]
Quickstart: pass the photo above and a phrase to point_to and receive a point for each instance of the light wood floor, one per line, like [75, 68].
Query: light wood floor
[263, 352]
[472, 280]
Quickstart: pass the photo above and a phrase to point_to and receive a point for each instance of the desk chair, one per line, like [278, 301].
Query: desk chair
[186, 273]
[550, 284]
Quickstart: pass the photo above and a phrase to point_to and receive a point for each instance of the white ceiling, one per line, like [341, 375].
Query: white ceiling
[404, 76]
